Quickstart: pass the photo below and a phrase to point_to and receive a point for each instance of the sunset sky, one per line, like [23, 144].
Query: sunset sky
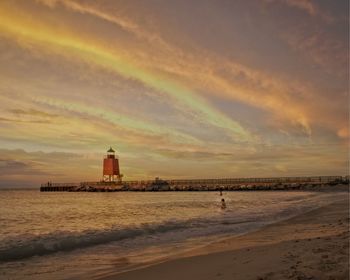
[181, 89]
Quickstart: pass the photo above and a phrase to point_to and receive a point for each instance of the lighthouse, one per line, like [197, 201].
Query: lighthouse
[111, 171]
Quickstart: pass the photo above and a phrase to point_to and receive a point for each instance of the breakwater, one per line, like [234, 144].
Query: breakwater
[230, 184]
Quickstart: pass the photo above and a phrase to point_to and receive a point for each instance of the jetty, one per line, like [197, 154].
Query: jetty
[230, 184]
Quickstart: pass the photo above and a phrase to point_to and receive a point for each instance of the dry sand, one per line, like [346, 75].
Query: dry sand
[314, 245]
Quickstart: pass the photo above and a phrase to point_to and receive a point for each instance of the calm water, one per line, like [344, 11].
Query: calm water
[86, 235]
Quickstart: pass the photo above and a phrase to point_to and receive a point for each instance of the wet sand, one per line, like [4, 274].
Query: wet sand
[314, 245]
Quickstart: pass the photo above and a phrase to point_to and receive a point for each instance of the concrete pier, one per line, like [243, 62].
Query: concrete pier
[57, 189]
[233, 184]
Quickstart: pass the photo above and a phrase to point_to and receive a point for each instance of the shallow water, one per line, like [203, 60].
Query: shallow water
[86, 235]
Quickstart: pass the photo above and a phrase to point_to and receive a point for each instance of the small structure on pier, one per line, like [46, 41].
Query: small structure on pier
[111, 172]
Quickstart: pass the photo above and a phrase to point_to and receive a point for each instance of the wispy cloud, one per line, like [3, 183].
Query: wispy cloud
[92, 52]
[308, 6]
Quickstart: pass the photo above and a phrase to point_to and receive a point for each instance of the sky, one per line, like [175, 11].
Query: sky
[180, 89]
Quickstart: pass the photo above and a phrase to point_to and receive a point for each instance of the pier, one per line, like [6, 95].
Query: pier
[229, 184]
[59, 187]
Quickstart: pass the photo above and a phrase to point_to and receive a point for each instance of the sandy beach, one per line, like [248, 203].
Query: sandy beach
[314, 245]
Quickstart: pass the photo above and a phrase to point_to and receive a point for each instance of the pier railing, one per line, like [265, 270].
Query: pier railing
[197, 184]
[310, 179]
[50, 184]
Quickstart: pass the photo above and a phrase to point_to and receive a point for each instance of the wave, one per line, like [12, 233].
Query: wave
[25, 246]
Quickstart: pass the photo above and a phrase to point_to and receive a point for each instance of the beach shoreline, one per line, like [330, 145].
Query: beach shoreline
[313, 245]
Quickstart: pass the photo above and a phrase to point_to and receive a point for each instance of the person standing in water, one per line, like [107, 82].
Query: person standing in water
[223, 204]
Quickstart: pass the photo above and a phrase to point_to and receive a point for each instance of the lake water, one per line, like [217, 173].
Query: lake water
[88, 235]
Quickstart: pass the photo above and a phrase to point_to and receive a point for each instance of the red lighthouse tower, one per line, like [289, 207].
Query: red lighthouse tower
[111, 171]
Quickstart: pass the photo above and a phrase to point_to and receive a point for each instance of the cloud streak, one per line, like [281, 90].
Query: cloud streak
[92, 52]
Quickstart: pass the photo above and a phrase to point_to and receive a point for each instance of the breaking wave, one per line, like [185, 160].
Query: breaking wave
[25, 247]
[29, 246]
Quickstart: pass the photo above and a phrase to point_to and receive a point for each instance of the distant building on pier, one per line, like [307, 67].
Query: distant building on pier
[111, 172]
